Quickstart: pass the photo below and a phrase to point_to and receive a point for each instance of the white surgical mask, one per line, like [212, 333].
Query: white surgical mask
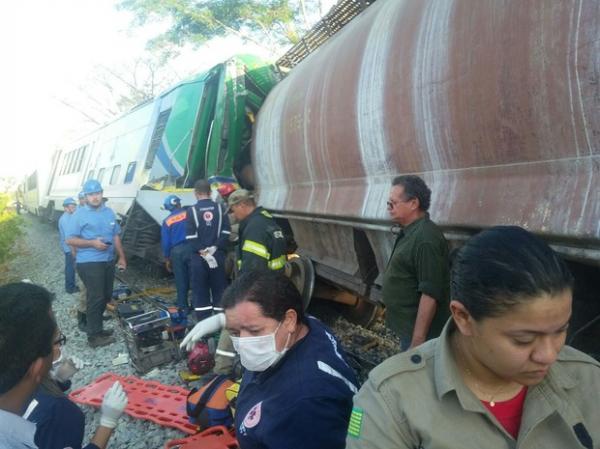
[56, 364]
[259, 353]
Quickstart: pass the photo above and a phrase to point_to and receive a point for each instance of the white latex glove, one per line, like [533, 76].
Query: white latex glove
[209, 250]
[203, 328]
[77, 362]
[211, 261]
[113, 404]
[64, 368]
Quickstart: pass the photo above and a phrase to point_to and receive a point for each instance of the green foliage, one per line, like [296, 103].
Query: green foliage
[10, 227]
[269, 23]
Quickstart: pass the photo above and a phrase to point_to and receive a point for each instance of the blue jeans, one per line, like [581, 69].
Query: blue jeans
[180, 264]
[69, 273]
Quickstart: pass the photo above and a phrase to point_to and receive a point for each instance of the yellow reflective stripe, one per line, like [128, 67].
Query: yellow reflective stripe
[277, 264]
[256, 248]
[239, 264]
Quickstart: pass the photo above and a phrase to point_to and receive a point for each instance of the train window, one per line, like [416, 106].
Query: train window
[72, 158]
[157, 134]
[115, 174]
[130, 172]
[64, 164]
[75, 160]
[32, 182]
[100, 175]
[90, 175]
[81, 156]
[68, 164]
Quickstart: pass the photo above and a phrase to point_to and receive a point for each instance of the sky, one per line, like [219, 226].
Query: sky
[50, 50]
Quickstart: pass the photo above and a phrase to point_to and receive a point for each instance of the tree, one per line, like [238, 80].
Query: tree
[110, 91]
[271, 24]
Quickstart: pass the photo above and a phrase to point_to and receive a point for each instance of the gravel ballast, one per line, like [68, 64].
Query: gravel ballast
[39, 258]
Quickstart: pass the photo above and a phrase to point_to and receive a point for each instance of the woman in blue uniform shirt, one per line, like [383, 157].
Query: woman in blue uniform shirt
[297, 389]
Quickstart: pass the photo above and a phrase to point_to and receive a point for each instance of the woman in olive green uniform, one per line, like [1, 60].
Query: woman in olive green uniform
[499, 376]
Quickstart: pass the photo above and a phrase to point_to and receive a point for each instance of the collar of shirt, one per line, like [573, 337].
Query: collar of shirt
[262, 376]
[447, 376]
[94, 209]
[257, 210]
[407, 230]
[17, 429]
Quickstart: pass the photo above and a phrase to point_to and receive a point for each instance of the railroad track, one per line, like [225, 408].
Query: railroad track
[366, 348]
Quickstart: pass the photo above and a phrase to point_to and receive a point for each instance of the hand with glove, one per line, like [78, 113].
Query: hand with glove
[113, 404]
[64, 369]
[211, 261]
[208, 251]
[205, 327]
[208, 255]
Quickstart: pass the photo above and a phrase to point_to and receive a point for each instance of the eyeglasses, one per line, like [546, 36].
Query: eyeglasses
[391, 204]
[61, 340]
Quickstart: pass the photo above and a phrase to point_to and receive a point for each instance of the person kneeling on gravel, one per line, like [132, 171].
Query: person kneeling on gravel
[59, 422]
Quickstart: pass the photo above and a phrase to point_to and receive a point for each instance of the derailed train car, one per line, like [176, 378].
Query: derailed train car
[496, 104]
[200, 128]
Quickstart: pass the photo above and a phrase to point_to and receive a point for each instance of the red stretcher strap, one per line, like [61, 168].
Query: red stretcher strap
[150, 400]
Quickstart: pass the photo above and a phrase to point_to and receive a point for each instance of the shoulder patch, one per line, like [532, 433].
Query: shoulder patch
[266, 214]
[253, 416]
[355, 425]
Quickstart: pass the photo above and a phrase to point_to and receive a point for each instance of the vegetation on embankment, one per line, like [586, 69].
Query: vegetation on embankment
[10, 227]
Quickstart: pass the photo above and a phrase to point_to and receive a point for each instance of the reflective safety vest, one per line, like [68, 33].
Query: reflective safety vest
[262, 243]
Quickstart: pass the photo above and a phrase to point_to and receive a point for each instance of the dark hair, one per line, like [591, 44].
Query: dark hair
[505, 266]
[26, 330]
[414, 187]
[272, 291]
[202, 186]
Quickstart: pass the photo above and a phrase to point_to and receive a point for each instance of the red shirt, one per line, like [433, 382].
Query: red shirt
[508, 413]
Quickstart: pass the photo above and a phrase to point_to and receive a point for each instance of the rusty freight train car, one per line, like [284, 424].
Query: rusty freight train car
[495, 103]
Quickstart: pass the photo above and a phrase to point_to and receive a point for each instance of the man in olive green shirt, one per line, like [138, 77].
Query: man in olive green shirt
[416, 283]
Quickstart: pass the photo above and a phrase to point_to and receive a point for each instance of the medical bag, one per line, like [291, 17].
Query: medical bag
[208, 406]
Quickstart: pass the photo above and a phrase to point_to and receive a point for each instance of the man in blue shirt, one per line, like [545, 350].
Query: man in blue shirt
[207, 231]
[69, 206]
[27, 328]
[94, 231]
[81, 198]
[175, 248]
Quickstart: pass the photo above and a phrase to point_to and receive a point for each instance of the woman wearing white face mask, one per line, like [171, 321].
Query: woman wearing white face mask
[297, 389]
[59, 422]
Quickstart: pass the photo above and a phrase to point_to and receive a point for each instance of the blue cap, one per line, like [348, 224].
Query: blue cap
[91, 186]
[171, 201]
[69, 201]
[81, 195]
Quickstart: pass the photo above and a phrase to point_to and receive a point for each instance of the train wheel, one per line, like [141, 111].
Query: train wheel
[352, 307]
[302, 273]
[363, 313]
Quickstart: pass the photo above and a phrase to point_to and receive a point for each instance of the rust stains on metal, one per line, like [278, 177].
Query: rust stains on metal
[496, 104]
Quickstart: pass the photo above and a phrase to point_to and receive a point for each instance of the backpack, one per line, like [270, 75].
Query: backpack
[208, 406]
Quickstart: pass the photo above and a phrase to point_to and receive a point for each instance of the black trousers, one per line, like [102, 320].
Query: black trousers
[98, 279]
